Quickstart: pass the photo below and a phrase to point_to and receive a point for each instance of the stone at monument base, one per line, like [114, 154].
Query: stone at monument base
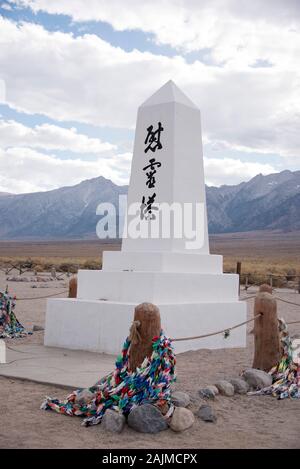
[102, 326]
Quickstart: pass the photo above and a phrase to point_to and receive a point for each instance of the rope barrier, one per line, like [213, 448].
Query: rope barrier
[237, 325]
[41, 297]
[223, 331]
[276, 298]
[218, 332]
[286, 301]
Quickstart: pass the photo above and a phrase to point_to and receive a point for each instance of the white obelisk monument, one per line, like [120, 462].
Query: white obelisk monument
[173, 270]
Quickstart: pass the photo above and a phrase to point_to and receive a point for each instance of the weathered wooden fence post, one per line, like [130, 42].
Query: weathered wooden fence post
[73, 287]
[267, 346]
[246, 282]
[238, 271]
[271, 281]
[146, 325]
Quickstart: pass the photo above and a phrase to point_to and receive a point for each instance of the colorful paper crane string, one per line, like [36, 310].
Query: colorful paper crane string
[123, 389]
[286, 374]
[9, 325]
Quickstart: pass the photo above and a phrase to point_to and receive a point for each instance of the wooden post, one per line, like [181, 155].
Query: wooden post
[73, 287]
[246, 282]
[146, 325]
[266, 332]
[271, 281]
[238, 271]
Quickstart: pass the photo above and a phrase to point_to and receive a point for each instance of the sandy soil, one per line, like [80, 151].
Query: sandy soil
[243, 421]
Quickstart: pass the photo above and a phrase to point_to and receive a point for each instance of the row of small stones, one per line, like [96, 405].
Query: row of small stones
[147, 418]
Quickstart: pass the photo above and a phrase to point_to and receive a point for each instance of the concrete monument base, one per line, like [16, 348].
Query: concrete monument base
[102, 326]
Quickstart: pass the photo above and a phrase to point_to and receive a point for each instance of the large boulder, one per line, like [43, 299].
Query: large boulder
[225, 387]
[180, 399]
[147, 418]
[257, 379]
[113, 421]
[240, 385]
[182, 419]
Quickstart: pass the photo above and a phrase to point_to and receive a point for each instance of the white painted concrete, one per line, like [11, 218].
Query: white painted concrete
[156, 287]
[162, 262]
[180, 179]
[188, 286]
[69, 322]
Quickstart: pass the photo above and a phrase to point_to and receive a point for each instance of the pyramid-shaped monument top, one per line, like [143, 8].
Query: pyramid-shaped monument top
[166, 172]
[169, 93]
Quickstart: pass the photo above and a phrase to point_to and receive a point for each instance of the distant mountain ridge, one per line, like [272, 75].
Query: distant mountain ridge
[269, 202]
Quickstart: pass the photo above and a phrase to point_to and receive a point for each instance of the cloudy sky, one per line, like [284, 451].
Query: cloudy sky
[73, 72]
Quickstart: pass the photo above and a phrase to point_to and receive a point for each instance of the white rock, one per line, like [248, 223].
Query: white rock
[240, 385]
[257, 379]
[182, 419]
[225, 387]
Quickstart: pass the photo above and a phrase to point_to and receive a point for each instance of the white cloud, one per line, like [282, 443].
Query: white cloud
[232, 171]
[6, 6]
[281, 136]
[2, 92]
[26, 170]
[237, 32]
[49, 137]
[86, 79]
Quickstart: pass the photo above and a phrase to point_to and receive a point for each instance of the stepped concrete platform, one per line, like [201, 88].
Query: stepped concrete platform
[101, 326]
[162, 262]
[157, 287]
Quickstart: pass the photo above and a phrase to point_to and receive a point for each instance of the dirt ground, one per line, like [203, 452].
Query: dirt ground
[243, 421]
